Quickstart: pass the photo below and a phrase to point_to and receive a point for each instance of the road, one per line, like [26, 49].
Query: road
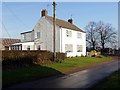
[81, 79]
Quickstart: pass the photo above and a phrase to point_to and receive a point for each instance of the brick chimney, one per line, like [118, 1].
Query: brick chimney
[44, 12]
[70, 21]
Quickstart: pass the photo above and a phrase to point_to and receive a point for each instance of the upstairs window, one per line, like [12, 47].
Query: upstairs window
[79, 48]
[38, 35]
[68, 48]
[24, 37]
[68, 33]
[79, 35]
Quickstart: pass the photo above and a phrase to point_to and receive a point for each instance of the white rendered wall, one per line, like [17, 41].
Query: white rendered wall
[25, 45]
[45, 27]
[72, 40]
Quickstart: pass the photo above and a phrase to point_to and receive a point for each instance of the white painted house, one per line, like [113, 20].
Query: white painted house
[69, 38]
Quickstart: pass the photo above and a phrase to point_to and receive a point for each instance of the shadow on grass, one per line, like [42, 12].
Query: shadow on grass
[25, 74]
[110, 82]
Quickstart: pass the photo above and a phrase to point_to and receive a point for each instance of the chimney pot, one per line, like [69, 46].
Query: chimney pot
[44, 12]
[70, 21]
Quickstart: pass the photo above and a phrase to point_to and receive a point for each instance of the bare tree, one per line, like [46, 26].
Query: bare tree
[107, 33]
[100, 34]
[91, 34]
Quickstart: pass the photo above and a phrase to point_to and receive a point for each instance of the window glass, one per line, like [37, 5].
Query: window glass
[68, 48]
[68, 33]
[28, 47]
[79, 48]
[79, 35]
[38, 48]
[24, 36]
[38, 35]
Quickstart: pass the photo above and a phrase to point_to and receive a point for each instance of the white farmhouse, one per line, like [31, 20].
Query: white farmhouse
[69, 38]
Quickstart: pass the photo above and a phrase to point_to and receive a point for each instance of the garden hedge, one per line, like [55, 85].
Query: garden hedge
[12, 59]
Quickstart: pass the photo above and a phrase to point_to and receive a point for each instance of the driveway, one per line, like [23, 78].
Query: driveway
[81, 79]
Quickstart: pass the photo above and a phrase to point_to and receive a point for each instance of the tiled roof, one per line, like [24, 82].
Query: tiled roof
[65, 24]
[7, 41]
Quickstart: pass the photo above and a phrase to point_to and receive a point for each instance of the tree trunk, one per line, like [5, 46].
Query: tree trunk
[103, 49]
[93, 46]
[103, 46]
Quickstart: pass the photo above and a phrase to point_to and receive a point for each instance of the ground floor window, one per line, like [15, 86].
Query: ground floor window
[79, 48]
[20, 47]
[16, 47]
[11, 48]
[38, 47]
[28, 47]
[68, 48]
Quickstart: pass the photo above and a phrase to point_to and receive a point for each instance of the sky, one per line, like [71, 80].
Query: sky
[119, 26]
[19, 17]
[60, 0]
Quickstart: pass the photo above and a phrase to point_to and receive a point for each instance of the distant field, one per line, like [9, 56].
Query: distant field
[35, 72]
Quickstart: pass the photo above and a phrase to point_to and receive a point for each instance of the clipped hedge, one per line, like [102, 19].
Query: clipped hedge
[14, 59]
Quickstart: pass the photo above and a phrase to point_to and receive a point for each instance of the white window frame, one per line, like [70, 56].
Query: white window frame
[68, 48]
[79, 48]
[38, 47]
[79, 35]
[38, 35]
[68, 33]
[28, 47]
[24, 36]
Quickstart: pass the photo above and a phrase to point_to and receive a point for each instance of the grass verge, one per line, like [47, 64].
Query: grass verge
[111, 82]
[78, 63]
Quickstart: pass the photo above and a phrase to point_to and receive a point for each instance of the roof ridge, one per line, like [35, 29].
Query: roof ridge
[59, 19]
[65, 24]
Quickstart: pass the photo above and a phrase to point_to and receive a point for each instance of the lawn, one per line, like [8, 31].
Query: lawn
[73, 64]
[111, 82]
[35, 72]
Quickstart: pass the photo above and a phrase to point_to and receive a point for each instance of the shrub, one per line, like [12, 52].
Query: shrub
[93, 56]
[76, 56]
[18, 59]
[82, 55]
[59, 61]
[61, 56]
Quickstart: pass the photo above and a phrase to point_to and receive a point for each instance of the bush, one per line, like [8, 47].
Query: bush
[82, 55]
[93, 56]
[59, 61]
[76, 56]
[18, 59]
[61, 56]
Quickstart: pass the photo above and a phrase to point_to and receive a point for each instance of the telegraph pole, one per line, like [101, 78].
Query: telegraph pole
[54, 29]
